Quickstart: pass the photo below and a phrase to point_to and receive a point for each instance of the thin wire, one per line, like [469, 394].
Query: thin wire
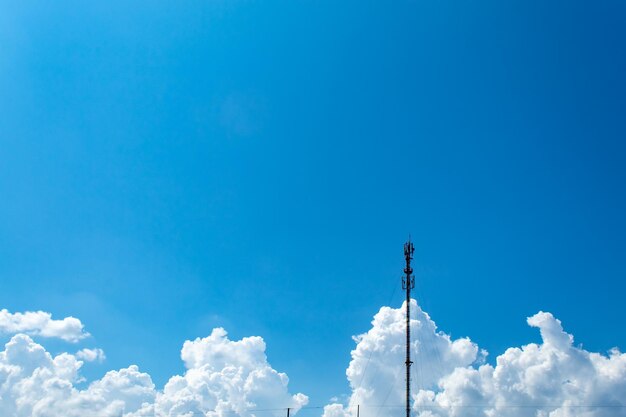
[369, 358]
[435, 406]
[434, 367]
[502, 406]
[394, 385]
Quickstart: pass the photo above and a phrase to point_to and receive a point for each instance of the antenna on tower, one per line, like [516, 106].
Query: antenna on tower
[408, 283]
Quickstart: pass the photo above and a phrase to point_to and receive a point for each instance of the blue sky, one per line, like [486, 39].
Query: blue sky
[168, 168]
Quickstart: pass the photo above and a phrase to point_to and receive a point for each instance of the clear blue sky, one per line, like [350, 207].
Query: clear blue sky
[166, 168]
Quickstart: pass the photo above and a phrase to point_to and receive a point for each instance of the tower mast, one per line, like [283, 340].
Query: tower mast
[408, 283]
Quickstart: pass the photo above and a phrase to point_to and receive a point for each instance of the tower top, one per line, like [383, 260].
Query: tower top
[408, 249]
[408, 256]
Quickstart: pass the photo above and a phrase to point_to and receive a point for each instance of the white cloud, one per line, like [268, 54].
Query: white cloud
[376, 371]
[223, 378]
[551, 379]
[40, 323]
[91, 355]
[34, 383]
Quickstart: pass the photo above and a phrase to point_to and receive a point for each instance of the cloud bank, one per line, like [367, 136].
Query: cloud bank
[451, 379]
[226, 378]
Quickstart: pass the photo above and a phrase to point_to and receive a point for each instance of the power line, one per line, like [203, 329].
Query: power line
[431, 406]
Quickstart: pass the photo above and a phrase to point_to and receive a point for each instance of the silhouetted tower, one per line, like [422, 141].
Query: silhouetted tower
[408, 283]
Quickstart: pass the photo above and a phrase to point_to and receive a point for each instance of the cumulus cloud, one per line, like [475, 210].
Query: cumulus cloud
[451, 379]
[376, 371]
[40, 323]
[91, 355]
[554, 378]
[223, 378]
[34, 383]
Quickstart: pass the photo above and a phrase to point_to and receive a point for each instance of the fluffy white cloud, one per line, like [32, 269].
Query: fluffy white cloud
[91, 355]
[376, 372]
[40, 323]
[554, 378]
[450, 379]
[33, 383]
[223, 378]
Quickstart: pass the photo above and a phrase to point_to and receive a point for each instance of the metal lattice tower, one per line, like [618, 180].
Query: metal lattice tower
[408, 283]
